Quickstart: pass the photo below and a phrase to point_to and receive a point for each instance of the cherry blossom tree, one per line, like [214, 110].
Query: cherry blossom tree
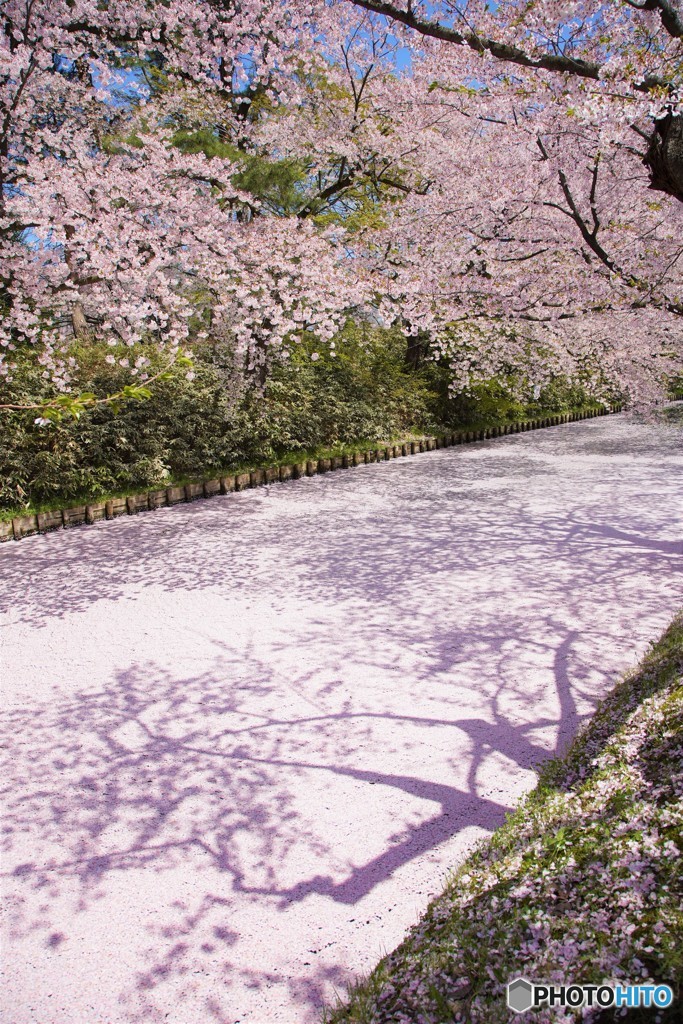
[543, 239]
[106, 224]
[616, 58]
[526, 232]
[513, 194]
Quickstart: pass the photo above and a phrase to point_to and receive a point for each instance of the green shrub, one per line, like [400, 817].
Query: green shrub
[366, 391]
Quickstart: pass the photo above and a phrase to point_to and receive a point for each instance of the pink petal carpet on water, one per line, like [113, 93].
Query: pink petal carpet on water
[248, 737]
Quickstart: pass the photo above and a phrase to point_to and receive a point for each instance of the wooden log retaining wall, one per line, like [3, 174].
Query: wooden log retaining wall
[44, 522]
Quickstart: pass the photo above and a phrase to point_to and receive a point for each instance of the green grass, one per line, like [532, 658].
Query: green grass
[282, 459]
[583, 883]
[674, 414]
[219, 419]
[287, 459]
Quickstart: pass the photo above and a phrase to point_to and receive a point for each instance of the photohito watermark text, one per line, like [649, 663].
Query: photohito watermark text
[523, 995]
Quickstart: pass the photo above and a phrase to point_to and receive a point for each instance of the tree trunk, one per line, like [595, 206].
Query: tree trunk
[416, 349]
[664, 157]
[78, 321]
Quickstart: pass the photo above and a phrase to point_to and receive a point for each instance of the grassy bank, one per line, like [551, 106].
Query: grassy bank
[291, 458]
[216, 422]
[584, 883]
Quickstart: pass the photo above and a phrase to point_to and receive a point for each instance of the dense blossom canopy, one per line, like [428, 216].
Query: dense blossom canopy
[505, 180]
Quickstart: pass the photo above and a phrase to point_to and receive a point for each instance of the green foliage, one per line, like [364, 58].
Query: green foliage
[112, 436]
[113, 144]
[206, 141]
[363, 391]
[276, 183]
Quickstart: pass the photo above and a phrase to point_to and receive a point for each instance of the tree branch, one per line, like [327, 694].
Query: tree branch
[555, 62]
[671, 19]
[480, 44]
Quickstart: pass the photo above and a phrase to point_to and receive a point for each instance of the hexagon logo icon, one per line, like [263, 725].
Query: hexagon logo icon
[520, 995]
